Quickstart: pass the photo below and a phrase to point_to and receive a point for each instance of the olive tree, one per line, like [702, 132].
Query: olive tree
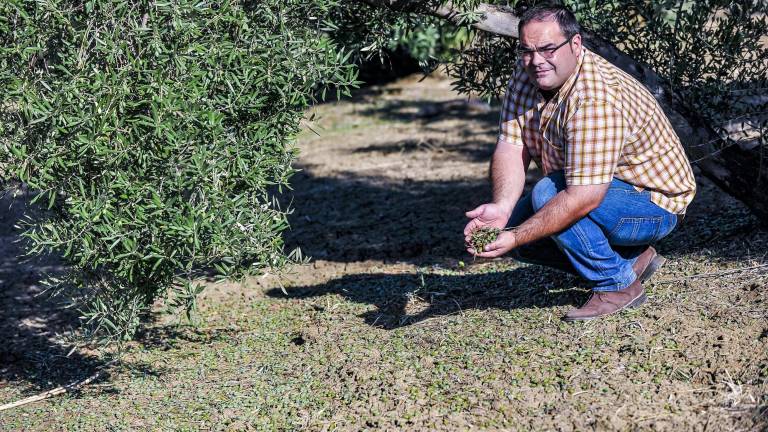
[156, 134]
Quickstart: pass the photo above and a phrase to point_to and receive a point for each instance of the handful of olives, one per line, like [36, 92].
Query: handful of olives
[482, 237]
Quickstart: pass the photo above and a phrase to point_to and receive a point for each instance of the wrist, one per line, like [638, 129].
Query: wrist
[505, 207]
[513, 234]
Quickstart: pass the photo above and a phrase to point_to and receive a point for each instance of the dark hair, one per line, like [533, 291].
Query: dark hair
[551, 12]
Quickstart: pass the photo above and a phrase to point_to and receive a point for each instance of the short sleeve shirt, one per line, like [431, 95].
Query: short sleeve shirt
[601, 124]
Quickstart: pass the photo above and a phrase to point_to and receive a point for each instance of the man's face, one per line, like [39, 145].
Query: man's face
[548, 73]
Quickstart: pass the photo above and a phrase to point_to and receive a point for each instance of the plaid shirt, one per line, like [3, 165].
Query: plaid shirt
[602, 123]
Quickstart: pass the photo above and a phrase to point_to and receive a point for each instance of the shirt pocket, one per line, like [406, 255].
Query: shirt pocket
[555, 133]
[554, 136]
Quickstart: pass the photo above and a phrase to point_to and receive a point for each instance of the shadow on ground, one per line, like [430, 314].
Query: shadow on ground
[349, 218]
[421, 223]
[474, 149]
[30, 324]
[168, 337]
[426, 111]
[406, 299]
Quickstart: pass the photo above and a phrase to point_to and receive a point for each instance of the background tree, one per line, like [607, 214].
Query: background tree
[157, 134]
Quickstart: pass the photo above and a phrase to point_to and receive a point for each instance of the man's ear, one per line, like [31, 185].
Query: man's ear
[576, 43]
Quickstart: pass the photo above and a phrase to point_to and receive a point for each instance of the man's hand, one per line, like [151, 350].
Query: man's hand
[505, 242]
[487, 215]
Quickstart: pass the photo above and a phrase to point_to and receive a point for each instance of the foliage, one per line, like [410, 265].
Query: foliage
[371, 33]
[713, 53]
[430, 42]
[157, 133]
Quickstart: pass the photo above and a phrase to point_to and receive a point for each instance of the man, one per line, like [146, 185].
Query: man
[616, 176]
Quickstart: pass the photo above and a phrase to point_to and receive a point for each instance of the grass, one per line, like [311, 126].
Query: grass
[311, 362]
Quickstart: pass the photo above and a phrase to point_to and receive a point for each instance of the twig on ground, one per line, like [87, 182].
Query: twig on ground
[459, 306]
[713, 274]
[57, 391]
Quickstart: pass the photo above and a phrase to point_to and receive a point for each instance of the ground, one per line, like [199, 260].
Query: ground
[391, 325]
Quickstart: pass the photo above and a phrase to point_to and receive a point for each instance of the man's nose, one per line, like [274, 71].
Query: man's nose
[537, 58]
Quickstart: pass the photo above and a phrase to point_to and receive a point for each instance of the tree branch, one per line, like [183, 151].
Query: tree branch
[494, 19]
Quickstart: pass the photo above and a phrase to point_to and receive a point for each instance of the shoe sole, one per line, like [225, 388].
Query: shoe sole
[652, 267]
[637, 302]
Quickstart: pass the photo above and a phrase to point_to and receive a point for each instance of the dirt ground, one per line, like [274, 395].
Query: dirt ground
[392, 326]
[392, 185]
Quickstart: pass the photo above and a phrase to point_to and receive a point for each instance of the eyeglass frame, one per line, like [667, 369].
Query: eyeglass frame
[546, 53]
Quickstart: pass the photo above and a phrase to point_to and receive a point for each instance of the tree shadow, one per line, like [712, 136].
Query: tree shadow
[173, 336]
[427, 111]
[406, 299]
[32, 323]
[472, 146]
[349, 218]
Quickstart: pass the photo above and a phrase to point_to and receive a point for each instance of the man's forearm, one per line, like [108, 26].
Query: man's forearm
[508, 168]
[565, 209]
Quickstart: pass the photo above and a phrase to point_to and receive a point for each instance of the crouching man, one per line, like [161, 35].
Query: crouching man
[616, 178]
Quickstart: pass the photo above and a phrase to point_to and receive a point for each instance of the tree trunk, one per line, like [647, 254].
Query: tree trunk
[740, 168]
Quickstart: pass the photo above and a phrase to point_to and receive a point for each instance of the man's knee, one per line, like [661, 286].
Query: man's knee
[546, 189]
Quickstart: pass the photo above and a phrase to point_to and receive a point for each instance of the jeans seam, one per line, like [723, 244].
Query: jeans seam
[628, 191]
[672, 225]
[585, 243]
[658, 229]
[620, 285]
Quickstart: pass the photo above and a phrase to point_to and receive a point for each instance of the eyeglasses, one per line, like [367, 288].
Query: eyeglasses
[544, 52]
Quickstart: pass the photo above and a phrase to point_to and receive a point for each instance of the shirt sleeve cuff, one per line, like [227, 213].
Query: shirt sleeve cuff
[587, 180]
[504, 139]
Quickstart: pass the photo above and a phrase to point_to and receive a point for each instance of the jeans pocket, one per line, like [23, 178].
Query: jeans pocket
[633, 231]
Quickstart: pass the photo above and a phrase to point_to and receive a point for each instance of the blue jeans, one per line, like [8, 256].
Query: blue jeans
[602, 246]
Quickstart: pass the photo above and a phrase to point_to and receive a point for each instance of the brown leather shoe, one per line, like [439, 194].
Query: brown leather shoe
[647, 263]
[607, 302]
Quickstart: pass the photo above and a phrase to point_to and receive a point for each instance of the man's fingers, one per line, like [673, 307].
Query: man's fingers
[497, 248]
[493, 246]
[486, 254]
[473, 252]
[471, 226]
[475, 213]
[491, 254]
